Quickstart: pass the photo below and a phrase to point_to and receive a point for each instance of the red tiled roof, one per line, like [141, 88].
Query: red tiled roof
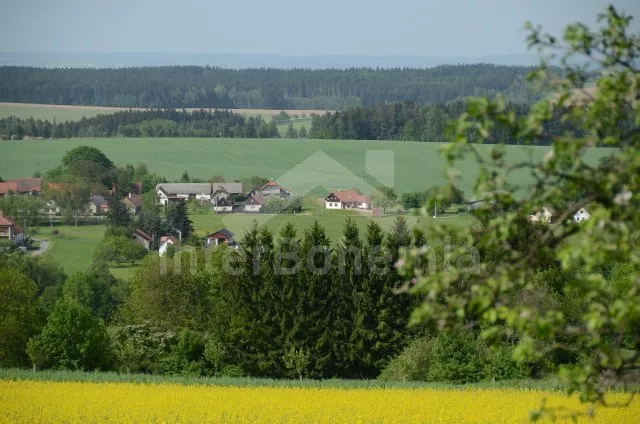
[143, 235]
[350, 196]
[23, 185]
[169, 238]
[273, 184]
[5, 220]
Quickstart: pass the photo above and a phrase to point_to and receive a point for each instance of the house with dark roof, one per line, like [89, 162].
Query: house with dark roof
[98, 205]
[254, 203]
[9, 229]
[347, 199]
[224, 205]
[217, 238]
[23, 186]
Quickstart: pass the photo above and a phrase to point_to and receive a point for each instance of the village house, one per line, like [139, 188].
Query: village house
[217, 238]
[173, 192]
[98, 205]
[254, 203]
[223, 205]
[347, 199]
[272, 188]
[133, 202]
[9, 230]
[23, 186]
[165, 242]
[581, 215]
[545, 215]
[143, 239]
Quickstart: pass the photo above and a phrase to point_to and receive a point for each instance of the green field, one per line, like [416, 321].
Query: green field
[415, 166]
[51, 112]
[73, 248]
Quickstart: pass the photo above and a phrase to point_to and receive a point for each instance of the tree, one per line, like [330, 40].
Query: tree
[185, 177]
[18, 316]
[603, 334]
[302, 132]
[72, 339]
[296, 360]
[87, 154]
[118, 215]
[384, 197]
[291, 131]
[96, 289]
[119, 249]
[178, 219]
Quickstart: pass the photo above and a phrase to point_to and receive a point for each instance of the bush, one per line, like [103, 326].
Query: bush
[412, 364]
[460, 357]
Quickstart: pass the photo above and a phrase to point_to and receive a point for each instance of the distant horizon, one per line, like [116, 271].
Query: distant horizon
[247, 60]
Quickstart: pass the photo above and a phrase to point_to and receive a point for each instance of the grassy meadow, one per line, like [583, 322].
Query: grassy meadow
[324, 164]
[76, 112]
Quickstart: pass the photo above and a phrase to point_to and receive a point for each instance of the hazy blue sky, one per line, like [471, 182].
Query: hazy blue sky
[289, 27]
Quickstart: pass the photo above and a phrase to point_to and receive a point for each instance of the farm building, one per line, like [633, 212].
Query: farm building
[23, 186]
[347, 199]
[171, 192]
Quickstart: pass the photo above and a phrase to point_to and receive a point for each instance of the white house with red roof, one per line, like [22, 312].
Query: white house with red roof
[272, 188]
[347, 199]
[165, 242]
[9, 230]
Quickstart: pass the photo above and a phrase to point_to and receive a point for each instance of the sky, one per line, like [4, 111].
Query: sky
[289, 27]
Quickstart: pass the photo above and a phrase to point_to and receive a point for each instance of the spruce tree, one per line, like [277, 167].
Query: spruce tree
[178, 219]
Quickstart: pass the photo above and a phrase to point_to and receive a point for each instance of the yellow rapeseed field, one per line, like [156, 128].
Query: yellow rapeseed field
[74, 402]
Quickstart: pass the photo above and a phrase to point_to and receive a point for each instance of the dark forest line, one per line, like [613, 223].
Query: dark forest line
[210, 87]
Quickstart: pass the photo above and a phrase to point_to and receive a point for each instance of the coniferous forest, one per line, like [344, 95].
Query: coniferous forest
[210, 87]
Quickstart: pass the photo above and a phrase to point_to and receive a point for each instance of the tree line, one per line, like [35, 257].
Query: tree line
[211, 87]
[413, 122]
[145, 123]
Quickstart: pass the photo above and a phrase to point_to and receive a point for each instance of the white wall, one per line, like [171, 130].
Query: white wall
[332, 205]
[252, 208]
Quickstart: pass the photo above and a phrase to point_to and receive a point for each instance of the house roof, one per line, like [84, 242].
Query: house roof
[170, 239]
[134, 199]
[256, 199]
[98, 200]
[143, 235]
[221, 233]
[273, 184]
[5, 220]
[22, 185]
[223, 202]
[231, 188]
[350, 196]
[184, 188]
